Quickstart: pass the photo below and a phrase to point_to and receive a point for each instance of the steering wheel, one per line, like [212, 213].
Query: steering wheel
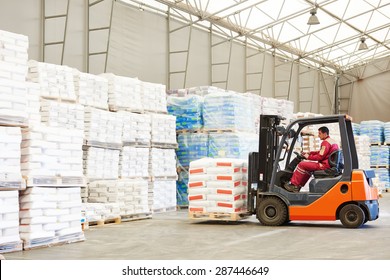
[299, 156]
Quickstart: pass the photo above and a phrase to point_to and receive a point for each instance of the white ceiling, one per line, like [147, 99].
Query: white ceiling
[281, 27]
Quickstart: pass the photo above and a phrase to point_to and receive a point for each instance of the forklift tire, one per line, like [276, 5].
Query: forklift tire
[352, 216]
[272, 211]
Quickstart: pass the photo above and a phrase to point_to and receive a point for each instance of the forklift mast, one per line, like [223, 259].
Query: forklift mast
[260, 164]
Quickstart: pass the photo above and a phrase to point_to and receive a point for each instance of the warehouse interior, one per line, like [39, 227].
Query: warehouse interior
[107, 105]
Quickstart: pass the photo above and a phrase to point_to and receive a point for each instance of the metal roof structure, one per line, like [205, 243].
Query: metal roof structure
[281, 27]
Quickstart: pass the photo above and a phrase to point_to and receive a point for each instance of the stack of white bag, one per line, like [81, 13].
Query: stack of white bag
[124, 93]
[103, 127]
[162, 163]
[10, 139]
[33, 103]
[217, 185]
[363, 151]
[131, 196]
[55, 80]
[136, 128]
[134, 162]
[163, 129]
[91, 90]
[154, 97]
[164, 195]
[9, 217]
[66, 115]
[50, 213]
[101, 211]
[100, 163]
[51, 151]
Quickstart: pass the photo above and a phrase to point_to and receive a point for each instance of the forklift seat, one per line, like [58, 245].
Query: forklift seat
[323, 185]
[336, 162]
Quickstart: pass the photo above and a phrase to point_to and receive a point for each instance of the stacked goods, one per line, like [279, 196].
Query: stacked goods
[13, 56]
[374, 129]
[134, 162]
[91, 90]
[363, 150]
[386, 128]
[126, 197]
[13, 102]
[380, 155]
[163, 130]
[232, 145]
[51, 151]
[136, 129]
[204, 90]
[9, 222]
[101, 163]
[164, 195]
[356, 128]
[162, 163]
[100, 212]
[285, 109]
[56, 81]
[33, 103]
[310, 143]
[383, 176]
[182, 188]
[10, 175]
[103, 128]
[217, 186]
[270, 106]
[188, 111]
[50, 215]
[66, 115]
[227, 111]
[181, 92]
[256, 102]
[154, 97]
[124, 93]
[192, 146]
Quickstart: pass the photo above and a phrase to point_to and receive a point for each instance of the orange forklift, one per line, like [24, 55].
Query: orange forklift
[344, 192]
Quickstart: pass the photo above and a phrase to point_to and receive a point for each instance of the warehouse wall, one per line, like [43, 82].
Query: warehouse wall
[139, 48]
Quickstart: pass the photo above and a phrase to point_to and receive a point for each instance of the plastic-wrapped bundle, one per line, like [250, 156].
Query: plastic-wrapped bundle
[383, 175]
[188, 111]
[374, 129]
[230, 111]
[164, 195]
[256, 102]
[182, 188]
[232, 145]
[386, 132]
[380, 155]
[204, 90]
[356, 128]
[192, 146]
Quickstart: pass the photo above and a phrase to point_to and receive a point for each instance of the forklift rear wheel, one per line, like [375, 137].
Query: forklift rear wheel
[272, 211]
[352, 216]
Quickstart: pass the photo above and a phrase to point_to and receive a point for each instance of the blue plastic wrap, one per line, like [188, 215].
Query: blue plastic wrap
[386, 132]
[383, 176]
[232, 145]
[192, 146]
[380, 155]
[356, 128]
[227, 111]
[188, 111]
[182, 189]
[374, 129]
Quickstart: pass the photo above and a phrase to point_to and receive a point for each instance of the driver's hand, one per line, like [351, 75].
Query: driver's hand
[305, 155]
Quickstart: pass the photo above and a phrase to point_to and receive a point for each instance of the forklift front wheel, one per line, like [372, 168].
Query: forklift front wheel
[272, 211]
[352, 216]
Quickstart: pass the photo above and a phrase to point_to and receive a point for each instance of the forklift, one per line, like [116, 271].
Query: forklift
[344, 192]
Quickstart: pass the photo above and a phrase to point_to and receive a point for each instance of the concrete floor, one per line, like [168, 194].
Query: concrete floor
[170, 236]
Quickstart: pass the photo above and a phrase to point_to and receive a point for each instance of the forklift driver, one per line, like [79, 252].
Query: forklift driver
[318, 160]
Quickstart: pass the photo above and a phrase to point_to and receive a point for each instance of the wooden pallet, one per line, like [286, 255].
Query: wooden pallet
[137, 144]
[12, 185]
[184, 131]
[5, 122]
[52, 241]
[113, 146]
[114, 108]
[55, 181]
[213, 216]
[210, 130]
[164, 210]
[164, 145]
[11, 247]
[105, 222]
[380, 166]
[60, 99]
[164, 178]
[136, 217]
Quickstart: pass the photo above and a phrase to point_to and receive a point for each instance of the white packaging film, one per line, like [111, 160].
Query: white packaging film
[9, 217]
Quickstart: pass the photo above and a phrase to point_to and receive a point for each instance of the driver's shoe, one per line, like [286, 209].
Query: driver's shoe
[292, 188]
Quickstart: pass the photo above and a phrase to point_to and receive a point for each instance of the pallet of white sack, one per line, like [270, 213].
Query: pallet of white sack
[380, 166]
[97, 144]
[70, 238]
[11, 247]
[12, 185]
[39, 243]
[182, 207]
[12, 121]
[217, 216]
[56, 181]
[164, 210]
[147, 178]
[136, 217]
[164, 145]
[138, 144]
[104, 222]
[164, 178]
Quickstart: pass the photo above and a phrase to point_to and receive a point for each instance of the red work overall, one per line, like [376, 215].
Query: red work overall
[318, 161]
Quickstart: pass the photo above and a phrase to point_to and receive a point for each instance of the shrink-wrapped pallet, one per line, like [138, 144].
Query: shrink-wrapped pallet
[191, 146]
[164, 195]
[374, 129]
[136, 129]
[13, 102]
[188, 111]
[101, 163]
[9, 217]
[154, 97]
[33, 103]
[162, 163]
[134, 162]
[163, 130]
[232, 145]
[91, 90]
[217, 186]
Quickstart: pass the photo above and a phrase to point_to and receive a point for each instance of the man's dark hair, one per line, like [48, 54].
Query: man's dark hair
[324, 129]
